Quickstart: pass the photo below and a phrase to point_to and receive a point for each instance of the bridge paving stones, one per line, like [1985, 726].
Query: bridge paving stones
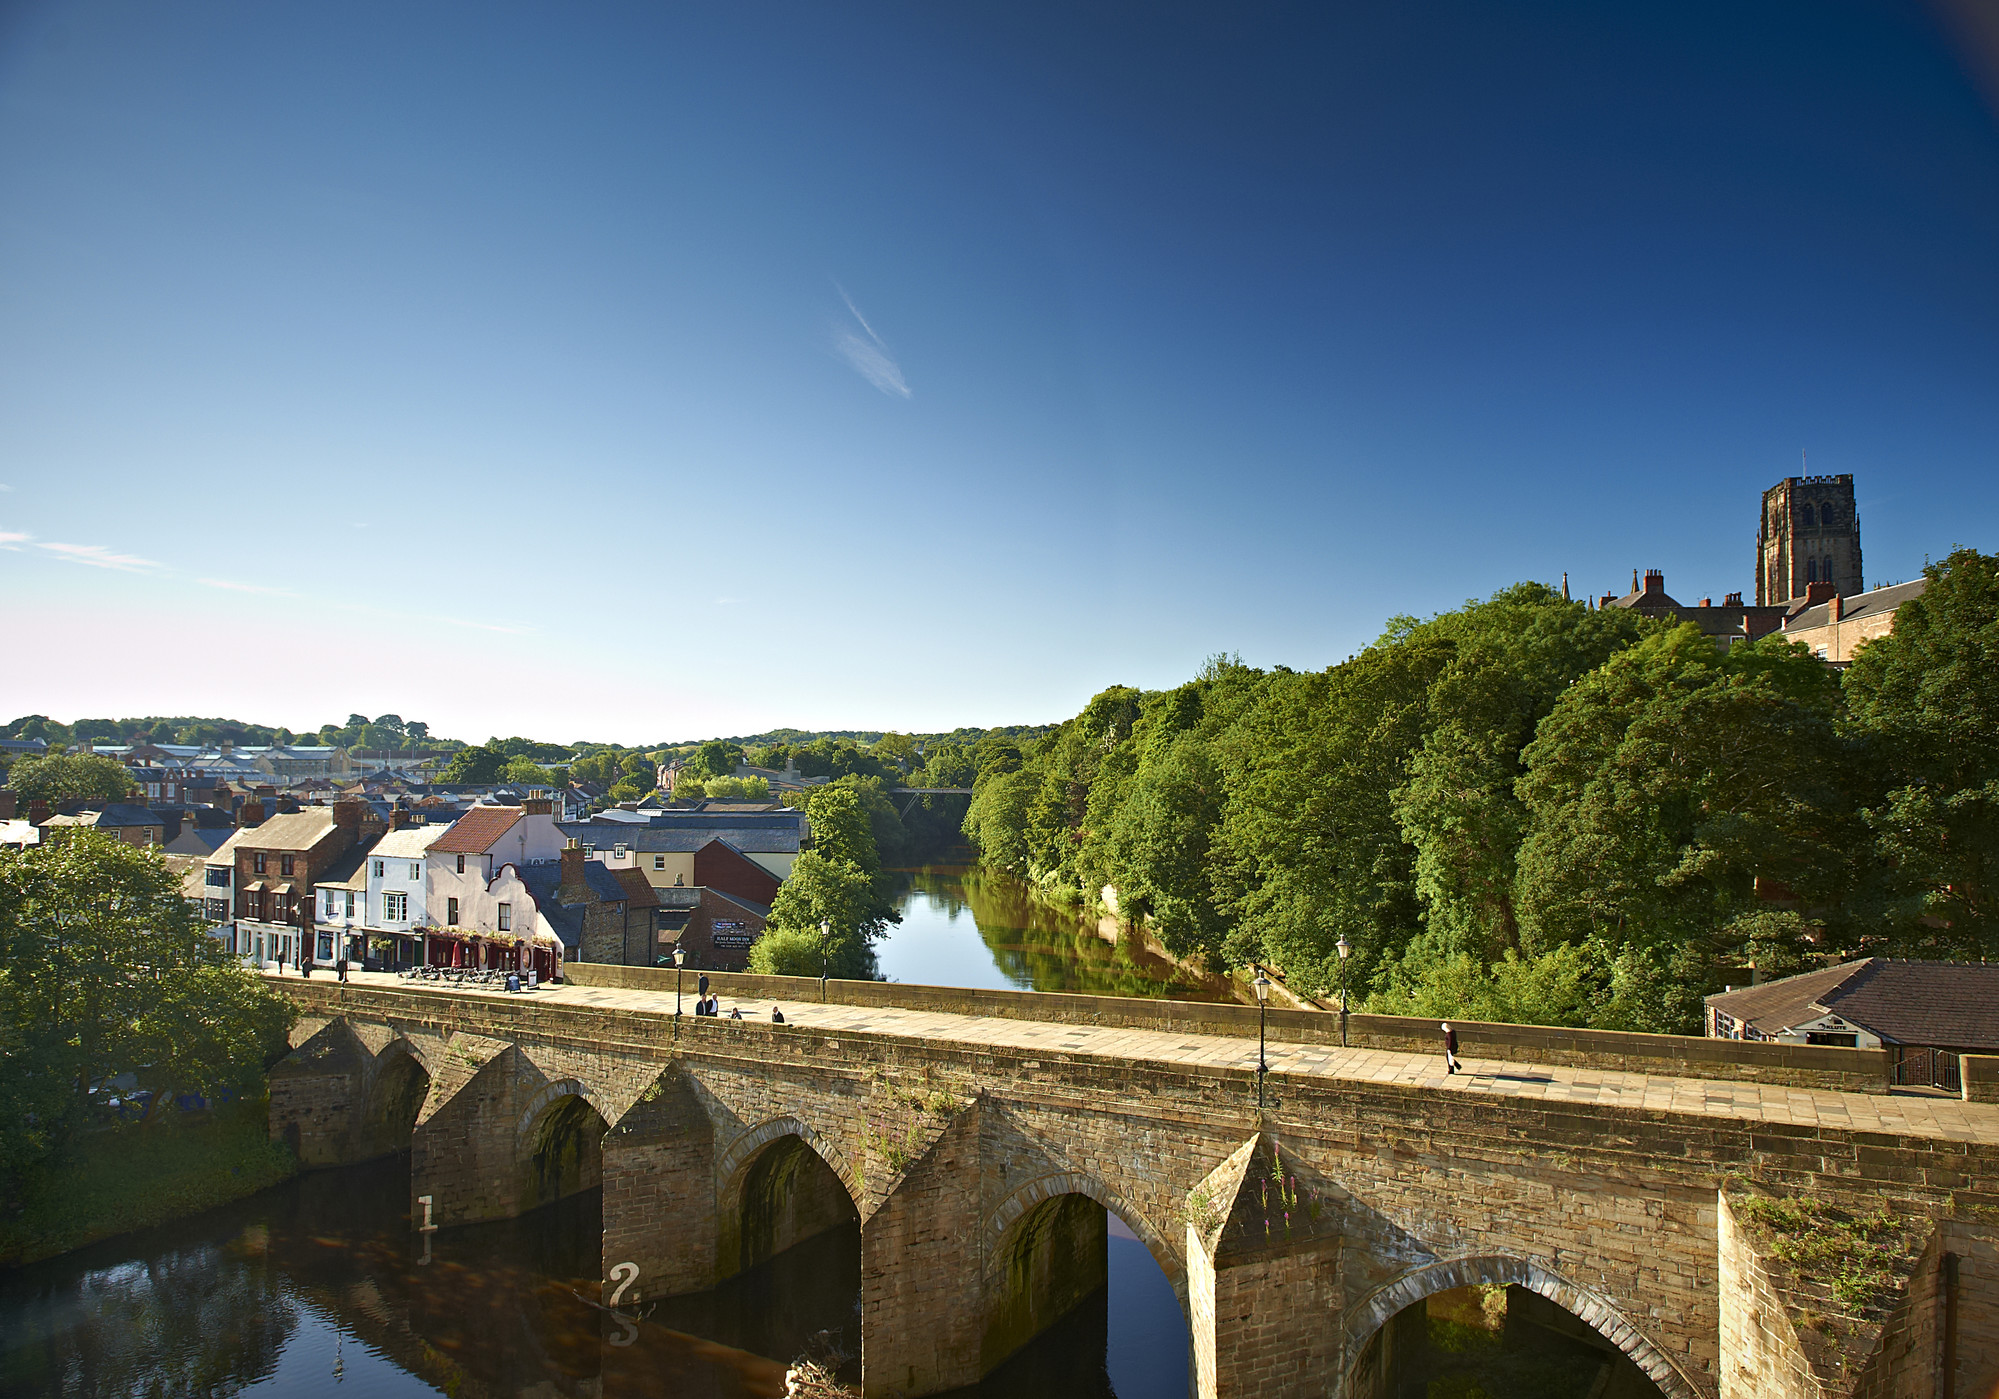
[1909, 1116]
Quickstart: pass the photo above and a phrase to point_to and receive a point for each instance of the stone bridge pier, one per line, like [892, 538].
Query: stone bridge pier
[980, 1165]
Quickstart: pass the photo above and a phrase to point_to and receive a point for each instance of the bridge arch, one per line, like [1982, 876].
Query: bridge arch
[1001, 1222]
[397, 1089]
[1048, 1257]
[1365, 1319]
[740, 1153]
[779, 1184]
[559, 1142]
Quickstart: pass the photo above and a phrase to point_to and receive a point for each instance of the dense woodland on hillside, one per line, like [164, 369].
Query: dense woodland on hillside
[1530, 810]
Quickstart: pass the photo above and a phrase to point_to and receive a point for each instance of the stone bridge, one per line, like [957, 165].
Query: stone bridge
[979, 1141]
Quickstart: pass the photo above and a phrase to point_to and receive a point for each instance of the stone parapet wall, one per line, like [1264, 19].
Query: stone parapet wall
[1678, 1056]
[1979, 1075]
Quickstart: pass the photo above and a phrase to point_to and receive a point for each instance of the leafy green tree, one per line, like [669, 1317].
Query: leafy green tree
[824, 889]
[63, 777]
[481, 765]
[737, 789]
[774, 756]
[1927, 697]
[105, 968]
[791, 952]
[946, 765]
[523, 772]
[1665, 785]
[898, 751]
[716, 759]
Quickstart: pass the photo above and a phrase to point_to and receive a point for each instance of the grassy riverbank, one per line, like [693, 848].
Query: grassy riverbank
[130, 1177]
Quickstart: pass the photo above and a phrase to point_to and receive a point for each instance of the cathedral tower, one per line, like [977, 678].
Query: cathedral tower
[1810, 533]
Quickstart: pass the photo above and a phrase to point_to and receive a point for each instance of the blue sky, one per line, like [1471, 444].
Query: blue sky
[640, 373]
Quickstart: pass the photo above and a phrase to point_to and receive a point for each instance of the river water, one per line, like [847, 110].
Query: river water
[319, 1287]
[963, 926]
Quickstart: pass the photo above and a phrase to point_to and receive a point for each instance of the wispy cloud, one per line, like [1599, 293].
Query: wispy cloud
[868, 353]
[233, 586]
[98, 556]
[5, 487]
[11, 538]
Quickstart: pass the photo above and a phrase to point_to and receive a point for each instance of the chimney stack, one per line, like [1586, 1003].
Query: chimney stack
[538, 806]
[575, 887]
[1732, 600]
[1655, 581]
[401, 820]
[250, 813]
[348, 813]
[38, 811]
[7, 805]
[1835, 608]
[1816, 593]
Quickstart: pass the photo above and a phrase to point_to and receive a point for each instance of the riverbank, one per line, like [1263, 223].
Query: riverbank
[129, 1177]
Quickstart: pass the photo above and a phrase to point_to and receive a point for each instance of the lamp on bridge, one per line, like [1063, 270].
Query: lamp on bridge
[679, 961]
[1345, 949]
[1262, 985]
[825, 955]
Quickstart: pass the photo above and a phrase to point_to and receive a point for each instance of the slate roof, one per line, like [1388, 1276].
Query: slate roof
[119, 815]
[1950, 1005]
[475, 832]
[347, 869]
[409, 843]
[760, 910]
[290, 830]
[638, 889]
[1860, 605]
[760, 833]
[209, 838]
[543, 880]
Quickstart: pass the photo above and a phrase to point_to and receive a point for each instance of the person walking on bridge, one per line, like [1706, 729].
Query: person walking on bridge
[1451, 1064]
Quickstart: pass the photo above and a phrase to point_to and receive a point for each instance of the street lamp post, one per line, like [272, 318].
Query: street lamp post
[1345, 949]
[679, 961]
[1262, 985]
[825, 955]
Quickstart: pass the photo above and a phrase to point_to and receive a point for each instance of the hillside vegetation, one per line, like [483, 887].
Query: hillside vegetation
[1530, 810]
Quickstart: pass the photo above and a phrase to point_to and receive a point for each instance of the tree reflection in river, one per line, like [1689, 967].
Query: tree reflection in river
[963, 925]
[221, 1304]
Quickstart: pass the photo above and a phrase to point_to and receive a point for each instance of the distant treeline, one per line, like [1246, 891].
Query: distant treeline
[1530, 810]
[388, 731]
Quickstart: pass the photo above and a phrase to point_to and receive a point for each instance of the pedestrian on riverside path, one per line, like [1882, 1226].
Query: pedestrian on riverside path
[341, 966]
[776, 1016]
[1451, 1064]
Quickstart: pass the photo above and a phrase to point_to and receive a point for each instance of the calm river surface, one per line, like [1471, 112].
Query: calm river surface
[319, 1287]
[962, 926]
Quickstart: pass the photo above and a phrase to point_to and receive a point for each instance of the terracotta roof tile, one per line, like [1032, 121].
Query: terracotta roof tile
[475, 832]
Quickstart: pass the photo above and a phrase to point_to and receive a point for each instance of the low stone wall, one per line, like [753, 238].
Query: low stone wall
[1979, 1076]
[1679, 1056]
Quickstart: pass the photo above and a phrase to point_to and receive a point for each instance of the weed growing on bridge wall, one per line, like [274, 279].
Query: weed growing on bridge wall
[1284, 1204]
[1856, 1255]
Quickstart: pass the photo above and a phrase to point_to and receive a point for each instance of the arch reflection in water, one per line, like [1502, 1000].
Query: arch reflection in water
[1499, 1341]
[1101, 1315]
